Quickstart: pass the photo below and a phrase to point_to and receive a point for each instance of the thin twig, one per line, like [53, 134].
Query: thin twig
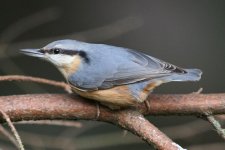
[13, 129]
[198, 92]
[8, 135]
[52, 122]
[63, 85]
[216, 125]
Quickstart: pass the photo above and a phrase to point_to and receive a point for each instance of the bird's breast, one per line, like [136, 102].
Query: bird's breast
[119, 96]
[125, 95]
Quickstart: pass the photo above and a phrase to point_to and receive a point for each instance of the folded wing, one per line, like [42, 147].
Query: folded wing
[114, 66]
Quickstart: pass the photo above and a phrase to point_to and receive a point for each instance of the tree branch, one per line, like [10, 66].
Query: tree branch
[64, 106]
[63, 85]
[137, 124]
[70, 107]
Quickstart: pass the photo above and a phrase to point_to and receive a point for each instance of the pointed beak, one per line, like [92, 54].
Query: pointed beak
[33, 52]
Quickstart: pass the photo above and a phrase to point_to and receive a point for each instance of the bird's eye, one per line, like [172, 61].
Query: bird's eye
[56, 51]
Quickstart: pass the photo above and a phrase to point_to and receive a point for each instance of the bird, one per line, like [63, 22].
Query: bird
[116, 77]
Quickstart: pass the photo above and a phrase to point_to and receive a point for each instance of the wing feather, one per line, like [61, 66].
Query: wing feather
[142, 67]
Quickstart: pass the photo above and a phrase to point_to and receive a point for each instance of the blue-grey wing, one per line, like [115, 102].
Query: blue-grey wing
[141, 67]
[113, 66]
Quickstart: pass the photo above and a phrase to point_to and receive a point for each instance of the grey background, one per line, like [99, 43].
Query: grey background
[186, 33]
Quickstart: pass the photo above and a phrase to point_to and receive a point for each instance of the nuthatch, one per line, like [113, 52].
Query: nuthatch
[115, 76]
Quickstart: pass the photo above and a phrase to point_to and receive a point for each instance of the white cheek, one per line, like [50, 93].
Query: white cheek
[61, 60]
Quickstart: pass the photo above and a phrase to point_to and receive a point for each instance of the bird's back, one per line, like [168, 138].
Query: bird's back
[111, 66]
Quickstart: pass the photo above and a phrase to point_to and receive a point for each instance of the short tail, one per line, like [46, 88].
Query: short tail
[190, 75]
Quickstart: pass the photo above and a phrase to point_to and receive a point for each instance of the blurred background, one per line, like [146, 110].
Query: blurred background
[186, 33]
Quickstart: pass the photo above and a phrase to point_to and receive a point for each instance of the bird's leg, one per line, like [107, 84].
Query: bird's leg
[147, 104]
[97, 111]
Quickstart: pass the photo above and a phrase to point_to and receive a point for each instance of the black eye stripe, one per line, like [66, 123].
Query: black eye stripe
[64, 51]
[59, 51]
[56, 51]
[70, 52]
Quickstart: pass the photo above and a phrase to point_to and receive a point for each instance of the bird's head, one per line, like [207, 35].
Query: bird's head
[66, 55]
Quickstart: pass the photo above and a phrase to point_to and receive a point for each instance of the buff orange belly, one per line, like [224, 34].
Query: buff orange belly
[119, 96]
